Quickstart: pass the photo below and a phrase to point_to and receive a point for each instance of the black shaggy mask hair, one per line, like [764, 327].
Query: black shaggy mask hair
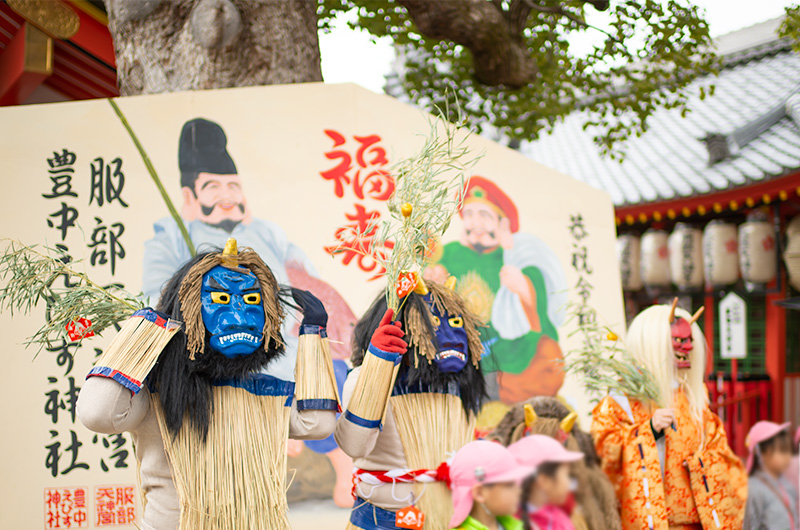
[470, 380]
[184, 387]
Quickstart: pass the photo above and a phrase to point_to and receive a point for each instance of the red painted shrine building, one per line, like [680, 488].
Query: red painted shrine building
[55, 51]
[708, 210]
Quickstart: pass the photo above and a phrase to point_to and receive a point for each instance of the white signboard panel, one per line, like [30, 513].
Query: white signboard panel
[733, 327]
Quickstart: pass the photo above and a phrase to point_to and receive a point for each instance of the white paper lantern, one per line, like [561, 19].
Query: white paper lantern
[791, 255]
[628, 253]
[686, 256]
[757, 251]
[655, 259]
[720, 253]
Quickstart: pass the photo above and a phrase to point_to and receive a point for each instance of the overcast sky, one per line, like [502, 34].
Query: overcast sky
[354, 56]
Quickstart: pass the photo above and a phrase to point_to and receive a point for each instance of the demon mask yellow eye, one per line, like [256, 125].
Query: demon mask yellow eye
[220, 298]
[435, 320]
[252, 298]
[456, 322]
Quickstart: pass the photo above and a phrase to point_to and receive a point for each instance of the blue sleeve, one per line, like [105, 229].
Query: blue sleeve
[161, 260]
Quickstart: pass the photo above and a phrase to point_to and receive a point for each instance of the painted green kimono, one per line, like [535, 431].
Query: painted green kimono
[478, 280]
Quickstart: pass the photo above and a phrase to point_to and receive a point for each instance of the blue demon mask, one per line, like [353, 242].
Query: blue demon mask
[232, 310]
[452, 339]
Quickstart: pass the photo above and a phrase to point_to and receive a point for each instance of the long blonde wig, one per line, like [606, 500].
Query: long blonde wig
[649, 340]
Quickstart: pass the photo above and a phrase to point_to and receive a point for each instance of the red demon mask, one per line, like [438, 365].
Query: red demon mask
[681, 330]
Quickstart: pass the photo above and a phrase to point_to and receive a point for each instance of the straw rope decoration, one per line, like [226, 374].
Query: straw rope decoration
[135, 349]
[432, 428]
[244, 459]
[370, 397]
[314, 374]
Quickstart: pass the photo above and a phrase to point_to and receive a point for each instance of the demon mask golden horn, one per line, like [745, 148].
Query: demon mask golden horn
[421, 288]
[530, 416]
[569, 422]
[230, 255]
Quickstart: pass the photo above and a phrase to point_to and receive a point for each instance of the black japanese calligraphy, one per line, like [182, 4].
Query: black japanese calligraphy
[105, 244]
[54, 455]
[107, 182]
[65, 218]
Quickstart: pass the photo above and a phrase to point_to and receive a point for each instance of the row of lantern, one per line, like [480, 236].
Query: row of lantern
[690, 257]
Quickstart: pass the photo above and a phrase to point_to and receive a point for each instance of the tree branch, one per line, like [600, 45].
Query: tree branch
[499, 55]
[558, 10]
[517, 16]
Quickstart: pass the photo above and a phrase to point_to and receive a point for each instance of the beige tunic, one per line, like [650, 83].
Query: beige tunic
[105, 406]
[374, 450]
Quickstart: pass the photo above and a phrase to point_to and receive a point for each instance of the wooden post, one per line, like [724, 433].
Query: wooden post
[25, 63]
[736, 408]
[709, 326]
[775, 346]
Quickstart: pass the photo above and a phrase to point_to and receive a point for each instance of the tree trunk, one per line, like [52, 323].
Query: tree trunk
[494, 36]
[173, 45]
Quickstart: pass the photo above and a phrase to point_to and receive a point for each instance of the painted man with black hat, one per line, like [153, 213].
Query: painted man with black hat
[214, 209]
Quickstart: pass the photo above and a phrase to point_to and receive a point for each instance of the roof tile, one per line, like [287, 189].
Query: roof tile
[670, 160]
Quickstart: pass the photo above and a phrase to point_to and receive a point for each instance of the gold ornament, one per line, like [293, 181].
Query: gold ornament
[51, 16]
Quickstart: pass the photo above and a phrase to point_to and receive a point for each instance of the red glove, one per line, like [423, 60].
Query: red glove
[389, 336]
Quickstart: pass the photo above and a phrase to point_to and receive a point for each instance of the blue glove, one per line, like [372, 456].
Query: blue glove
[314, 313]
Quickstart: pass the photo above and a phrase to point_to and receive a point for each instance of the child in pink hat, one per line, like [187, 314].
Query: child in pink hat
[485, 479]
[772, 500]
[548, 488]
[793, 473]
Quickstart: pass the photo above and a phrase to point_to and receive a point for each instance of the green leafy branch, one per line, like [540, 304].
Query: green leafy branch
[602, 362]
[29, 279]
[790, 27]
[428, 192]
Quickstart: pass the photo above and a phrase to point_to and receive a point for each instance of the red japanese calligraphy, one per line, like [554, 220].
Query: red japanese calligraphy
[356, 241]
[65, 508]
[365, 170]
[114, 505]
[361, 166]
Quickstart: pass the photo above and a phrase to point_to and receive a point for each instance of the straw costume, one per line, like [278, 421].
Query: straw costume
[596, 504]
[209, 423]
[684, 476]
[430, 414]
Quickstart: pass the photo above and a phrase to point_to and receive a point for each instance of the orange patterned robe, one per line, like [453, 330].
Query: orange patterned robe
[700, 488]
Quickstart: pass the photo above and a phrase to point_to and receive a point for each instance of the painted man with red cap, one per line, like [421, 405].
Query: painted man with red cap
[516, 284]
